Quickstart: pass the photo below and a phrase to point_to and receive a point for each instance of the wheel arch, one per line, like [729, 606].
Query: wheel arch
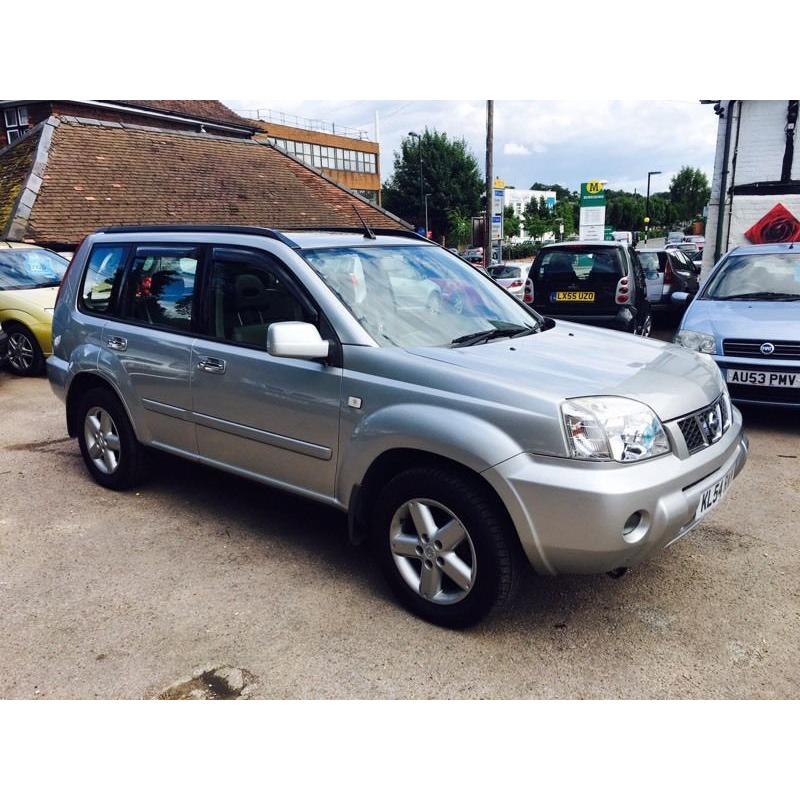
[82, 383]
[391, 463]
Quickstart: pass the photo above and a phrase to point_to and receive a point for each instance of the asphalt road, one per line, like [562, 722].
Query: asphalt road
[121, 595]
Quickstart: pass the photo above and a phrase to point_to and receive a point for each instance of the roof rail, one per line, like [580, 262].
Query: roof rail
[408, 234]
[251, 230]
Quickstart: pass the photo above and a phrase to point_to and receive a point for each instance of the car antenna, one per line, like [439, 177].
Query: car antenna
[368, 232]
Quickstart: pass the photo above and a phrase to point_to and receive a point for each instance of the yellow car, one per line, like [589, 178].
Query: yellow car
[29, 281]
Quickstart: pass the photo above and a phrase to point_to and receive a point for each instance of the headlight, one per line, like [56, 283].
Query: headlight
[694, 340]
[612, 428]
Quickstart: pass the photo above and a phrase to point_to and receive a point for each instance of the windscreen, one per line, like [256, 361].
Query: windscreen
[417, 295]
[757, 276]
[505, 271]
[30, 268]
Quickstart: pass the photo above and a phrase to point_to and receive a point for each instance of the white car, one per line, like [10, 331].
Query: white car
[510, 277]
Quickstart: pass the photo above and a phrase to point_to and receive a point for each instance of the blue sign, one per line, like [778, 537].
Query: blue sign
[551, 202]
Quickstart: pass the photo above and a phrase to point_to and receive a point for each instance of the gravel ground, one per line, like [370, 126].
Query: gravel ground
[126, 595]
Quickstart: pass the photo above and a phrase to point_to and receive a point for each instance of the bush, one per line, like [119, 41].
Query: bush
[512, 252]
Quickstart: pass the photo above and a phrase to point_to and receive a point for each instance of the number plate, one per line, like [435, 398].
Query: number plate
[712, 496]
[775, 380]
[573, 297]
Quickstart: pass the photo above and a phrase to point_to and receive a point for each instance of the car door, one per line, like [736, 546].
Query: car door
[272, 418]
[653, 266]
[146, 347]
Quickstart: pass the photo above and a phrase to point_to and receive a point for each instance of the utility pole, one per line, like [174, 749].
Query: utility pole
[427, 195]
[487, 238]
[647, 205]
[421, 183]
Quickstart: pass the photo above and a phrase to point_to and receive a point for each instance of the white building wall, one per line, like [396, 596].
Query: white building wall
[758, 140]
[518, 199]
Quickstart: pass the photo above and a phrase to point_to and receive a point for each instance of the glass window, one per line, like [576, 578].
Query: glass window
[30, 268]
[248, 294]
[162, 286]
[652, 263]
[586, 267]
[10, 117]
[16, 121]
[103, 279]
[418, 295]
[22, 115]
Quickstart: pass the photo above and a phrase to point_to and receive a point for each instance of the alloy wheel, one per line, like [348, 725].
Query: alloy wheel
[102, 440]
[433, 551]
[20, 351]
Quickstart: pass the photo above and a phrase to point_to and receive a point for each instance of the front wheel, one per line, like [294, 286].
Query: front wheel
[25, 357]
[444, 545]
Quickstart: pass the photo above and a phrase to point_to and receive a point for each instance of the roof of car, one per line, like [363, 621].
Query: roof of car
[782, 247]
[17, 245]
[587, 243]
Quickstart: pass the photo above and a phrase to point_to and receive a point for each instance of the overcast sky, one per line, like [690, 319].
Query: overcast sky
[563, 142]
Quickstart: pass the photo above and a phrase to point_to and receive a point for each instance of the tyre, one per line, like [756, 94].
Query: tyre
[25, 357]
[108, 444]
[445, 548]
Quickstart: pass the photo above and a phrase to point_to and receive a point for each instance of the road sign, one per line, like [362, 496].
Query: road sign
[497, 227]
[592, 211]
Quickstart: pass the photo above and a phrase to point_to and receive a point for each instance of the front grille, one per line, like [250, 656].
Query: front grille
[704, 427]
[751, 348]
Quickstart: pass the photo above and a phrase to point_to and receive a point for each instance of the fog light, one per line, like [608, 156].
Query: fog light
[636, 527]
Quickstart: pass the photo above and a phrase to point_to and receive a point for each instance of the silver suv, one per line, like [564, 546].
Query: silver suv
[460, 431]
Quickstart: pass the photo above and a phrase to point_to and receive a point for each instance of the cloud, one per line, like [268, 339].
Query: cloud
[514, 149]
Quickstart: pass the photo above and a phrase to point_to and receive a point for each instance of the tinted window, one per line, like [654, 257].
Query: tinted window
[588, 266]
[248, 294]
[102, 280]
[161, 286]
[30, 268]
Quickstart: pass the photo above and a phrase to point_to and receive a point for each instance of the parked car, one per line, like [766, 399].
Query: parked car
[29, 280]
[597, 283]
[747, 318]
[698, 241]
[674, 237]
[459, 444]
[667, 271]
[510, 277]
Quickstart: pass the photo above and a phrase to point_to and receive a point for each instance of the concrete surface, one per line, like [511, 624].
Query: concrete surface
[123, 595]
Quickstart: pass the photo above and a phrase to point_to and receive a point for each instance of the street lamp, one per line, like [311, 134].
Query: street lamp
[421, 188]
[647, 204]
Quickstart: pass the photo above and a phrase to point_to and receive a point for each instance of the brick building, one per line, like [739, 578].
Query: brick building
[755, 190]
[345, 155]
[188, 162]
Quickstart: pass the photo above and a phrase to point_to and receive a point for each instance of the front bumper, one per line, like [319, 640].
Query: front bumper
[570, 515]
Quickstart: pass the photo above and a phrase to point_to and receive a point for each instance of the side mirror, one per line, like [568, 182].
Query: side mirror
[680, 298]
[296, 340]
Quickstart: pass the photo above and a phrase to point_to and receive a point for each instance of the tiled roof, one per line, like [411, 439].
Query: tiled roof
[106, 173]
[15, 165]
[211, 110]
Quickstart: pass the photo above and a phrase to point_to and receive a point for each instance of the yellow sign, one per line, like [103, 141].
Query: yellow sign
[499, 183]
[594, 187]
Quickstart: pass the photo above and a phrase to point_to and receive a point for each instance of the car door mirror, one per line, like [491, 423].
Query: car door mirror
[296, 340]
[680, 297]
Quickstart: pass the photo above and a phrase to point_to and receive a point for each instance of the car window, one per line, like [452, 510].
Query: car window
[651, 264]
[591, 267]
[448, 299]
[757, 275]
[102, 279]
[30, 268]
[505, 271]
[248, 293]
[161, 286]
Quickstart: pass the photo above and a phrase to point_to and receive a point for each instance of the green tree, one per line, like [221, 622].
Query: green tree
[511, 223]
[460, 229]
[689, 192]
[450, 175]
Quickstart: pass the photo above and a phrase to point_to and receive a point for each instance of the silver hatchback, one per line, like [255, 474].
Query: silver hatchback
[461, 432]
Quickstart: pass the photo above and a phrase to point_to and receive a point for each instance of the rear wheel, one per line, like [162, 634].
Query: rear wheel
[444, 546]
[109, 447]
[25, 357]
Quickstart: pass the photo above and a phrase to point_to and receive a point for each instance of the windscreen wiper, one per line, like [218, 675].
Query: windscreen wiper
[479, 337]
[760, 296]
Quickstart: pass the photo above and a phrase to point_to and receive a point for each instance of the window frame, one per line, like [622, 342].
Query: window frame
[16, 129]
[269, 260]
[115, 300]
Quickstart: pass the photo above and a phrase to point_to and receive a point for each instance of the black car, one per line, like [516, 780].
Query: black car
[596, 283]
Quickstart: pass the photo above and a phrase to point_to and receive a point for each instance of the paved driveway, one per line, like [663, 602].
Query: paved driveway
[121, 595]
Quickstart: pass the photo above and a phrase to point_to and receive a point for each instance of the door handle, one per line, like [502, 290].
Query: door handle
[117, 343]
[216, 366]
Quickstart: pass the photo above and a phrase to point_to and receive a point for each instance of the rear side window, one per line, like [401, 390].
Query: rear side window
[652, 263]
[161, 286]
[102, 280]
[590, 267]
